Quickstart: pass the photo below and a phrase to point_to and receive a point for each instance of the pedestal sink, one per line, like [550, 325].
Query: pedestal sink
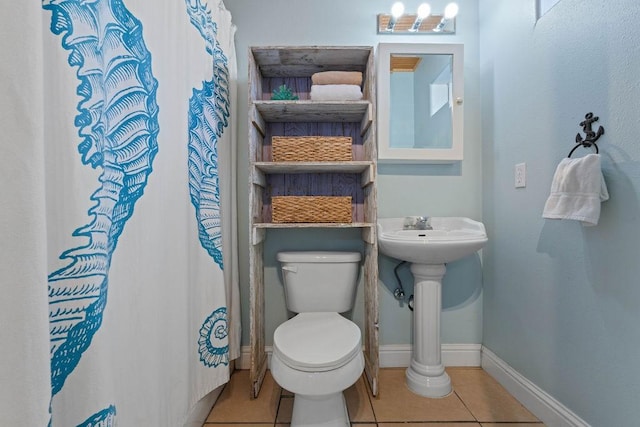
[448, 240]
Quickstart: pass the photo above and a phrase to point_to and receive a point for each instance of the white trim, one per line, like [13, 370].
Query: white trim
[399, 355]
[540, 403]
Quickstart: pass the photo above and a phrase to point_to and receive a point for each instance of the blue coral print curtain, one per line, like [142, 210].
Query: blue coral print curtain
[118, 260]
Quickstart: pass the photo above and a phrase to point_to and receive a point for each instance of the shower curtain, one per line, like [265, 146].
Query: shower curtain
[118, 260]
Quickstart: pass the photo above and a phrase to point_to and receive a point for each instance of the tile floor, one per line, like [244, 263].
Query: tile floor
[478, 401]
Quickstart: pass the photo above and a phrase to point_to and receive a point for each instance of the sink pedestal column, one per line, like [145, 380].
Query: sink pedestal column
[426, 375]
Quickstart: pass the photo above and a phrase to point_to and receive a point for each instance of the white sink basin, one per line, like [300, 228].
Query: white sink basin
[451, 239]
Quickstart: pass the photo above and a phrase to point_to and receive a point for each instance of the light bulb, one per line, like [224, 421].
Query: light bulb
[397, 10]
[424, 10]
[451, 11]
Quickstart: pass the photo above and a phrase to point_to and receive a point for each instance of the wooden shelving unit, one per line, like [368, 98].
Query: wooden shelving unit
[269, 68]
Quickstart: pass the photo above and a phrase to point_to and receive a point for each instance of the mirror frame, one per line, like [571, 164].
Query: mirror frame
[419, 155]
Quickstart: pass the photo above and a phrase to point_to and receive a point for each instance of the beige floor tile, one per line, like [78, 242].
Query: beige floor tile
[487, 400]
[235, 405]
[395, 403]
[358, 403]
[285, 410]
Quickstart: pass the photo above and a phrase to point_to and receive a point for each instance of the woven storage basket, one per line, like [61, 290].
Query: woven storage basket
[311, 209]
[310, 148]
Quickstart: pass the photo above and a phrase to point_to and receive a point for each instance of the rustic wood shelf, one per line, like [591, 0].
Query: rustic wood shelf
[269, 69]
[312, 111]
[290, 61]
[365, 168]
[314, 225]
[313, 167]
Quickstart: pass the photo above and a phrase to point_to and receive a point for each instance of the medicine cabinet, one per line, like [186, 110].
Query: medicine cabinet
[420, 102]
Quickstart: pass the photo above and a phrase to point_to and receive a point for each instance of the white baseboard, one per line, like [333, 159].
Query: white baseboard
[541, 404]
[399, 355]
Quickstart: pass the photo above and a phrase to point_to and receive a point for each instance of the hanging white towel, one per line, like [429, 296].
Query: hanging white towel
[577, 190]
[335, 93]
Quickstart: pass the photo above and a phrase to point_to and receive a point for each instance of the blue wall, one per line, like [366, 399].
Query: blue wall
[562, 302]
[402, 189]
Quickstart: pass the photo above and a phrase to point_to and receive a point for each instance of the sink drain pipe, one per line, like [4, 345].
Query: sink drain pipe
[399, 292]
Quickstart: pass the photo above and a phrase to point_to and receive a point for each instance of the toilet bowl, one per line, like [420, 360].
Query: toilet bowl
[318, 354]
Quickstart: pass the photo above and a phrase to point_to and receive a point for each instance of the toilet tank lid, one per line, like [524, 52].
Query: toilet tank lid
[319, 256]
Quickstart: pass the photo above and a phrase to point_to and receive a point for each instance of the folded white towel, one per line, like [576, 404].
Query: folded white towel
[577, 190]
[335, 93]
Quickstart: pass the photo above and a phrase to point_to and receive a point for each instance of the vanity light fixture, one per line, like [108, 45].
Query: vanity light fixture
[397, 10]
[421, 22]
[450, 12]
[424, 10]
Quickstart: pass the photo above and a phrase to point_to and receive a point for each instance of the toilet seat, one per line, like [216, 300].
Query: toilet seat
[317, 342]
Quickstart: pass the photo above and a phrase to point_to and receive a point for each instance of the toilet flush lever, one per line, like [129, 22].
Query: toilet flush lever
[291, 269]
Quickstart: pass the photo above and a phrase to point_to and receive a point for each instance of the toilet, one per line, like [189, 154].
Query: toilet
[317, 354]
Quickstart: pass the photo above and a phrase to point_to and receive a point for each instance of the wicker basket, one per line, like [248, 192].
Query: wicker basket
[311, 209]
[310, 148]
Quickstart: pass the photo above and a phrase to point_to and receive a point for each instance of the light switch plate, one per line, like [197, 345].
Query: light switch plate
[521, 175]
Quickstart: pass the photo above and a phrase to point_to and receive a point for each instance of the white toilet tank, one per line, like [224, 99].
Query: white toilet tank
[320, 281]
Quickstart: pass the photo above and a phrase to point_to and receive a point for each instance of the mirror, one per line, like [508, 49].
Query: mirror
[420, 95]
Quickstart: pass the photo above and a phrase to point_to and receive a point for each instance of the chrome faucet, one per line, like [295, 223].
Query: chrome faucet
[423, 223]
[417, 223]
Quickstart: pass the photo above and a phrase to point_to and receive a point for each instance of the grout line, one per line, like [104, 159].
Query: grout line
[369, 397]
[275, 420]
[465, 405]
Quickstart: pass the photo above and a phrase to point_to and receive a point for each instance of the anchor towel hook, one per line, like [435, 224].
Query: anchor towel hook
[590, 137]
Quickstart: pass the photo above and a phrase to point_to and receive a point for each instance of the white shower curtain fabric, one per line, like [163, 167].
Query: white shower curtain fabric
[118, 260]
